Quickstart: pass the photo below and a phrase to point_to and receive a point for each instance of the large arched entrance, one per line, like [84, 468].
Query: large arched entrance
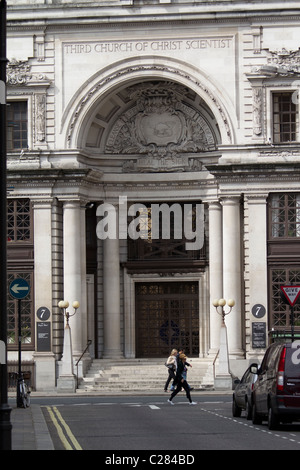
[139, 136]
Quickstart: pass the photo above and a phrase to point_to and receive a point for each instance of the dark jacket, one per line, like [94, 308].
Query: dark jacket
[179, 372]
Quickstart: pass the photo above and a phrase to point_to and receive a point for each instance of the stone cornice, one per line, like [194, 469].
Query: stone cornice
[129, 14]
[248, 170]
[54, 176]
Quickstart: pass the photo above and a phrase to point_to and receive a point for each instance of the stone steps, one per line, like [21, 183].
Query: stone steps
[141, 375]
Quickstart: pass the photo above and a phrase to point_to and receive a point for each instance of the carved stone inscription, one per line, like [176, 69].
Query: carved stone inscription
[166, 45]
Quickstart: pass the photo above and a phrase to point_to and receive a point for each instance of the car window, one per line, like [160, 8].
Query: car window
[274, 356]
[244, 378]
[265, 360]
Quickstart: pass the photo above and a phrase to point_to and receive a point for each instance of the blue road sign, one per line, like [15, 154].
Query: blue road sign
[19, 288]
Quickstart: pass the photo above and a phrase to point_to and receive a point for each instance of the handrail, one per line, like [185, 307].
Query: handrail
[87, 346]
[214, 363]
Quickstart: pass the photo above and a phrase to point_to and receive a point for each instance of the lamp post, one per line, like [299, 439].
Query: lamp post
[64, 304]
[66, 381]
[223, 378]
[5, 410]
[221, 303]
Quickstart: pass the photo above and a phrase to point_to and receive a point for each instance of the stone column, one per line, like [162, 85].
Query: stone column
[44, 360]
[256, 285]
[232, 280]
[111, 293]
[215, 271]
[75, 270]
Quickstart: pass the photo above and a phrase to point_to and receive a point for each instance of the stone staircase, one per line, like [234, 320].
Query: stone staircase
[141, 375]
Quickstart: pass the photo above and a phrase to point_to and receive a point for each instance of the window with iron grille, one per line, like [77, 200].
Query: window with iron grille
[17, 125]
[283, 256]
[285, 215]
[280, 318]
[169, 241]
[27, 320]
[20, 265]
[19, 219]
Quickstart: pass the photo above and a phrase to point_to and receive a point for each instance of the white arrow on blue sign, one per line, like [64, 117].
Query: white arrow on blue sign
[19, 288]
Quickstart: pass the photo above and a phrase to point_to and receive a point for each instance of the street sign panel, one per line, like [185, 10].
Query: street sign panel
[258, 311]
[291, 293]
[19, 288]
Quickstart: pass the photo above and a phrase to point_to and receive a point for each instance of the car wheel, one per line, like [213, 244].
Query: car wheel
[273, 420]
[256, 419]
[236, 410]
[248, 410]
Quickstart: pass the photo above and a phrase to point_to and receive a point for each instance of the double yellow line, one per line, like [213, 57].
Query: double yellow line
[64, 432]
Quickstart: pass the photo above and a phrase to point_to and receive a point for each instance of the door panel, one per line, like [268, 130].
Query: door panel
[167, 316]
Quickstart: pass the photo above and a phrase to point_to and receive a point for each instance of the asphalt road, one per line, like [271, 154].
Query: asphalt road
[133, 424]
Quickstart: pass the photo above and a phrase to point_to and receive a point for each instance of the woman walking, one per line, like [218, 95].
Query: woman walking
[171, 365]
[180, 380]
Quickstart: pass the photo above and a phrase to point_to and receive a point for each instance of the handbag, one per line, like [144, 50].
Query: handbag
[169, 366]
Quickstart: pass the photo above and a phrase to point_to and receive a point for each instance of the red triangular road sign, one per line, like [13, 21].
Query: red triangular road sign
[291, 293]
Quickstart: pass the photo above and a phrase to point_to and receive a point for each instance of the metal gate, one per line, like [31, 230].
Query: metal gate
[167, 316]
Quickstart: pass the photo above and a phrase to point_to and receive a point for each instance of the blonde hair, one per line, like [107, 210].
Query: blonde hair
[174, 351]
[182, 356]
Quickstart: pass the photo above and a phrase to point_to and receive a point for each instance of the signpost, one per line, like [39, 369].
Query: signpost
[5, 410]
[43, 329]
[290, 295]
[19, 289]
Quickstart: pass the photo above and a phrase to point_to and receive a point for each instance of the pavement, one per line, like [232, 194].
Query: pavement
[29, 429]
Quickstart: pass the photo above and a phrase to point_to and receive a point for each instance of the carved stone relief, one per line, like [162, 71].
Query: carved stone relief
[18, 72]
[40, 117]
[282, 63]
[257, 110]
[161, 126]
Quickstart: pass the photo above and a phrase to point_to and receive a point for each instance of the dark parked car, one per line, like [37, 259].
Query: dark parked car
[276, 393]
[242, 395]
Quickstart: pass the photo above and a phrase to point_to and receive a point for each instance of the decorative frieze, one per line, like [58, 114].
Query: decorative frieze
[162, 164]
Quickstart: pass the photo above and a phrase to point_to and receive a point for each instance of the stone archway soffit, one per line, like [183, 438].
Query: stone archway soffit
[88, 94]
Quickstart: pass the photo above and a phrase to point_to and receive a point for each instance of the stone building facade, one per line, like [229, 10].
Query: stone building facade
[118, 107]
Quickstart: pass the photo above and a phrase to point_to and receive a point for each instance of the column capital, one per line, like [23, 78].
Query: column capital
[214, 205]
[42, 202]
[74, 201]
[256, 198]
[230, 200]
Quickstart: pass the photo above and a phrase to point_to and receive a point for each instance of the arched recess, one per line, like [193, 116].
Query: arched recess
[115, 91]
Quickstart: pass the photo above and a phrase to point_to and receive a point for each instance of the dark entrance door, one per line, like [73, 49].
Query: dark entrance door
[167, 316]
